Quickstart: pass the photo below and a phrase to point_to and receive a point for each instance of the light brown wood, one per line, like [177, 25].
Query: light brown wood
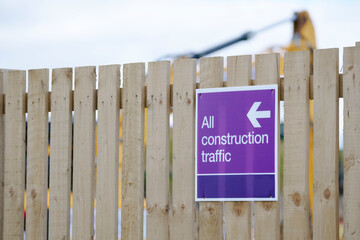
[37, 155]
[211, 213]
[84, 153]
[351, 143]
[132, 204]
[267, 214]
[2, 157]
[296, 145]
[14, 169]
[183, 202]
[224, 84]
[326, 144]
[238, 214]
[60, 154]
[108, 152]
[157, 151]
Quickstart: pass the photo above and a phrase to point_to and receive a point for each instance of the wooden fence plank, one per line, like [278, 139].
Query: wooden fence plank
[211, 213]
[267, 214]
[296, 145]
[84, 153]
[2, 157]
[60, 154]
[108, 152]
[132, 209]
[238, 214]
[157, 151]
[183, 204]
[326, 144]
[14, 169]
[37, 155]
[351, 142]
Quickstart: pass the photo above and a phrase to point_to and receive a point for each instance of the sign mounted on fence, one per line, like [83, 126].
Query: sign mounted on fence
[237, 144]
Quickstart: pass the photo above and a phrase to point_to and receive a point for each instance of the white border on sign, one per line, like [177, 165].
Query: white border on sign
[276, 136]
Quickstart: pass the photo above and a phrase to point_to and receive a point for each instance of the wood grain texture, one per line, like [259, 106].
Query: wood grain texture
[296, 145]
[108, 152]
[267, 214]
[211, 213]
[84, 153]
[351, 142]
[37, 155]
[157, 151]
[14, 169]
[2, 156]
[60, 154]
[238, 214]
[326, 144]
[183, 204]
[132, 209]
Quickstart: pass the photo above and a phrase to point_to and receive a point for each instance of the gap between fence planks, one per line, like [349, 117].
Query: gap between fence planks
[132, 206]
[351, 142]
[37, 155]
[238, 214]
[2, 159]
[224, 84]
[84, 153]
[267, 214]
[211, 213]
[296, 145]
[182, 224]
[326, 144]
[14, 168]
[61, 150]
[108, 152]
[157, 151]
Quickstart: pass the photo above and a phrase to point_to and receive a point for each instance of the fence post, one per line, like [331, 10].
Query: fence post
[296, 145]
[133, 103]
[157, 151]
[84, 153]
[60, 154]
[183, 202]
[211, 213]
[238, 214]
[326, 144]
[351, 93]
[14, 169]
[267, 214]
[108, 152]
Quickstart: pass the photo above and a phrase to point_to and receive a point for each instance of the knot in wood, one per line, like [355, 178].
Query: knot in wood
[182, 207]
[33, 193]
[267, 206]
[296, 198]
[210, 209]
[238, 209]
[165, 210]
[188, 101]
[327, 193]
[11, 192]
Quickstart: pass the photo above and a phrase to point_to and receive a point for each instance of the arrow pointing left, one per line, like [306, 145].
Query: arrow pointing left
[253, 114]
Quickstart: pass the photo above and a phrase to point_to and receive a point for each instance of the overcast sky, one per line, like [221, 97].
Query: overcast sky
[68, 33]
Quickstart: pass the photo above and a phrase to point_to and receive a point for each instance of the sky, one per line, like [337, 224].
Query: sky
[70, 33]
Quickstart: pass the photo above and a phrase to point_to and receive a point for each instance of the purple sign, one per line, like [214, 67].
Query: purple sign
[236, 143]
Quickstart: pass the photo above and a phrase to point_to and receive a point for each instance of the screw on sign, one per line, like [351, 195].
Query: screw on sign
[236, 144]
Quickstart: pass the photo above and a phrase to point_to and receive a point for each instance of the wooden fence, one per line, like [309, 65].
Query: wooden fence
[176, 215]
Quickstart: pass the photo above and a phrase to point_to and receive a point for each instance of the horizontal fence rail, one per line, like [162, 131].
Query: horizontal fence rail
[112, 149]
[224, 84]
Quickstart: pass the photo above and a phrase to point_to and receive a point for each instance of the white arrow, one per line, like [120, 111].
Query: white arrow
[253, 114]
